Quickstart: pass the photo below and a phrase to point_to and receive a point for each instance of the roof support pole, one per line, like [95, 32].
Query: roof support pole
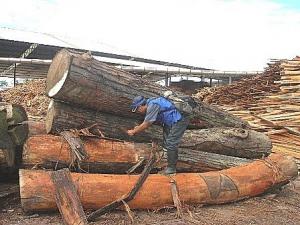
[229, 80]
[15, 74]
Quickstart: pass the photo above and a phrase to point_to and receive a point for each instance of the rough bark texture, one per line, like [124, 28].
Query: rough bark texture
[36, 127]
[97, 190]
[109, 156]
[17, 125]
[62, 116]
[67, 200]
[7, 146]
[82, 80]
[227, 141]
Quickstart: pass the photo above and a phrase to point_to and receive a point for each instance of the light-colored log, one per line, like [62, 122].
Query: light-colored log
[97, 190]
[112, 156]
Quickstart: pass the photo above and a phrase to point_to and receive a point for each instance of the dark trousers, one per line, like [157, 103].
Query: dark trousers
[171, 138]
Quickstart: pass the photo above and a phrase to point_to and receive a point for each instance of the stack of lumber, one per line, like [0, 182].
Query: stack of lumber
[244, 92]
[87, 120]
[278, 114]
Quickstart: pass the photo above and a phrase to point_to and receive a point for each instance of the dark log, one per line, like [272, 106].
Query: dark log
[17, 125]
[97, 190]
[7, 146]
[226, 141]
[111, 156]
[66, 198]
[62, 116]
[83, 80]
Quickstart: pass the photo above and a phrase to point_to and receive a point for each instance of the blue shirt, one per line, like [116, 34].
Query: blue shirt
[152, 112]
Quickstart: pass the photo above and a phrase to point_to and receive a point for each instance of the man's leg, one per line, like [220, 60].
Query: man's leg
[172, 141]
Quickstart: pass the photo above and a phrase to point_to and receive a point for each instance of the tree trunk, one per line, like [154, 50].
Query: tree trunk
[111, 156]
[82, 80]
[226, 141]
[97, 190]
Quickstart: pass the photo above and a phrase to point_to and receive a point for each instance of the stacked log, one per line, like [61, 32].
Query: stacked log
[236, 142]
[112, 156]
[89, 94]
[97, 190]
[82, 80]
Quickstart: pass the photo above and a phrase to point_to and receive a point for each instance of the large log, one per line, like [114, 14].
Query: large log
[227, 141]
[112, 156]
[97, 190]
[83, 80]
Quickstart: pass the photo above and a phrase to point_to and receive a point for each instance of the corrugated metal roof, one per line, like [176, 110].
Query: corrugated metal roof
[98, 48]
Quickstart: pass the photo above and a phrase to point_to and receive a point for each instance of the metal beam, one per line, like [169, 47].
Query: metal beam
[26, 61]
[24, 55]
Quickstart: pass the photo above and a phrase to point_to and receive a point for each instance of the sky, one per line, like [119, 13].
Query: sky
[218, 34]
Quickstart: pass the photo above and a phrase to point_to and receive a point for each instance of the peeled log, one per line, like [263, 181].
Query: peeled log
[236, 142]
[83, 80]
[109, 156]
[36, 127]
[97, 190]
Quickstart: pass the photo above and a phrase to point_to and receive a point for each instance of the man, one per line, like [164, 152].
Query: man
[160, 110]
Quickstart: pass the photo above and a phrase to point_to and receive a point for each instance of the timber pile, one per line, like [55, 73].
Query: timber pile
[245, 92]
[31, 95]
[90, 110]
[277, 114]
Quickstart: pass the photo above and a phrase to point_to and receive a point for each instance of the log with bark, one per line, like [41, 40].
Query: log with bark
[7, 146]
[97, 190]
[17, 125]
[227, 141]
[82, 80]
[113, 156]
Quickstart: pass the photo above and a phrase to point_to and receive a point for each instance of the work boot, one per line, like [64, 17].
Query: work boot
[172, 160]
[168, 171]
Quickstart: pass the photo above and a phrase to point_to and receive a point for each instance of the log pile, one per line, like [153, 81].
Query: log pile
[90, 101]
[244, 92]
[31, 95]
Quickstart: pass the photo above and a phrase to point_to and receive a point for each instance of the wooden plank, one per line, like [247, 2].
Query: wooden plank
[66, 198]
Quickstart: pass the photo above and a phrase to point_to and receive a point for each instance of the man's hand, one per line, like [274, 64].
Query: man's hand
[139, 128]
[130, 132]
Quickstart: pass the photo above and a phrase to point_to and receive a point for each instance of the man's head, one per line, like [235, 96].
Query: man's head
[139, 105]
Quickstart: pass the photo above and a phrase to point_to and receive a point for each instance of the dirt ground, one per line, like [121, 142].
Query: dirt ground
[276, 207]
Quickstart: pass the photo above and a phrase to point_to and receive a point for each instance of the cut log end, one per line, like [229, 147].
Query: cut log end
[58, 72]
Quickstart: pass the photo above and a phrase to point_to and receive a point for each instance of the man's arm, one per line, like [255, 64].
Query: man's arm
[143, 126]
[151, 115]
